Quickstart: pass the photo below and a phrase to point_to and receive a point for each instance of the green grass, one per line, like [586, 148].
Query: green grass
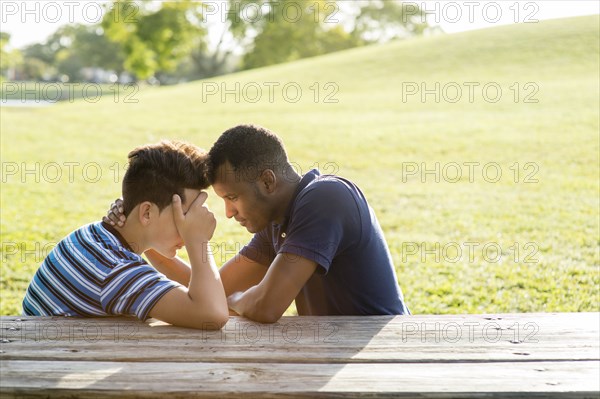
[368, 136]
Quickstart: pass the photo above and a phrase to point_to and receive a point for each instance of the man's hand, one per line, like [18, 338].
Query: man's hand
[198, 224]
[115, 215]
[267, 301]
[232, 302]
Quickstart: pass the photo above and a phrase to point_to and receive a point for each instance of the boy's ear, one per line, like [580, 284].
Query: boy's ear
[145, 213]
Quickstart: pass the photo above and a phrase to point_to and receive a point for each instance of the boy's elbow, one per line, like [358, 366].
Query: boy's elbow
[220, 320]
[215, 320]
[209, 324]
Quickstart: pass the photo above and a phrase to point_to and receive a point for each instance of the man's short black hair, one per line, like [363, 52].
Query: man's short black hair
[250, 149]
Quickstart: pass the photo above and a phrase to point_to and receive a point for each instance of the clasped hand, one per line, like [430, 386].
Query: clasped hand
[198, 224]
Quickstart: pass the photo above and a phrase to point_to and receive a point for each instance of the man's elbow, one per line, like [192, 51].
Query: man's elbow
[256, 306]
[265, 313]
[268, 318]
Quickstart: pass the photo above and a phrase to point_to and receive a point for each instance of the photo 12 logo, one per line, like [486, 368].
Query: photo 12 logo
[286, 332]
[469, 252]
[470, 331]
[55, 12]
[55, 172]
[469, 92]
[469, 171]
[30, 330]
[43, 92]
[473, 12]
[254, 92]
[257, 12]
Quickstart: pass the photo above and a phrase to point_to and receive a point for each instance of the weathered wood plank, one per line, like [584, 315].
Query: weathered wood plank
[156, 379]
[185, 350]
[449, 338]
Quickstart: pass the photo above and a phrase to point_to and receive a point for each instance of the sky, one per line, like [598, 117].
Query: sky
[33, 21]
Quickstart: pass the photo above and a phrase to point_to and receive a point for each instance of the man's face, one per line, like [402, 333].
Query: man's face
[244, 200]
[164, 235]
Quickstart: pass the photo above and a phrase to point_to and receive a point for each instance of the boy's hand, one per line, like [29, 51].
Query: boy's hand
[198, 223]
[115, 215]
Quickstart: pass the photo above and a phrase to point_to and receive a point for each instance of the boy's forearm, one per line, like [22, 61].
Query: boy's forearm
[205, 282]
[175, 269]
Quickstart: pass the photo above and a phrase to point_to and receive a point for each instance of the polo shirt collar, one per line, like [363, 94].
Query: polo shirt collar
[305, 181]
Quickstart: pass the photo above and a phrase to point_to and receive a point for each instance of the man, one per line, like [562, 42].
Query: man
[316, 239]
[97, 270]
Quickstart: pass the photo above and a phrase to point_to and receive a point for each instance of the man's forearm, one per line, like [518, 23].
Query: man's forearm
[175, 269]
[250, 304]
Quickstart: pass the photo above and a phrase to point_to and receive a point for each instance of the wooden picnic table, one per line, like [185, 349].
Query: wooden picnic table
[483, 356]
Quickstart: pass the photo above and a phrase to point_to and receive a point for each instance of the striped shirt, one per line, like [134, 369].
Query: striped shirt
[93, 272]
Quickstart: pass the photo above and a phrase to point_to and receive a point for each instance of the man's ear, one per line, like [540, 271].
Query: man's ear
[268, 180]
[145, 213]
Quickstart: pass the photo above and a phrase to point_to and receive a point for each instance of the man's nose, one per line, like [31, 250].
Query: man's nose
[230, 211]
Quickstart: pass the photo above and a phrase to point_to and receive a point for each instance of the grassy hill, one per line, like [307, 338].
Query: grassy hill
[356, 117]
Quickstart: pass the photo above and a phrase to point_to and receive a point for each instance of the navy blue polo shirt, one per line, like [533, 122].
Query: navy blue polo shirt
[330, 222]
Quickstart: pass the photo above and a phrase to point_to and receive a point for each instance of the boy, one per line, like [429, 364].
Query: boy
[97, 270]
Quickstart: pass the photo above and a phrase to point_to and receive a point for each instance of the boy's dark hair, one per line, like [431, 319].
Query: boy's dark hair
[250, 149]
[157, 171]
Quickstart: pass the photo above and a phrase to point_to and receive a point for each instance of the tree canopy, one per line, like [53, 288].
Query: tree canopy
[156, 39]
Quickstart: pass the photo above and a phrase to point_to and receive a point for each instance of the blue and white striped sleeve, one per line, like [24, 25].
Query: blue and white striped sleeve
[132, 289]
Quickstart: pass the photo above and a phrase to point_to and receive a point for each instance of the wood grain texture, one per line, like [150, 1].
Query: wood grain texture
[310, 340]
[516, 355]
[357, 380]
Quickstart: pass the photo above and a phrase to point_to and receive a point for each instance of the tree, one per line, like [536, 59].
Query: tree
[84, 46]
[94, 49]
[381, 21]
[275, 31]
[286, 30]
[36, 69]
[73, 47]
[43, 52]
[9, 59]
[154, 41]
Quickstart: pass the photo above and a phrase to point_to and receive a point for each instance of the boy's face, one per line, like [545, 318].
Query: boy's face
[163, 234]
